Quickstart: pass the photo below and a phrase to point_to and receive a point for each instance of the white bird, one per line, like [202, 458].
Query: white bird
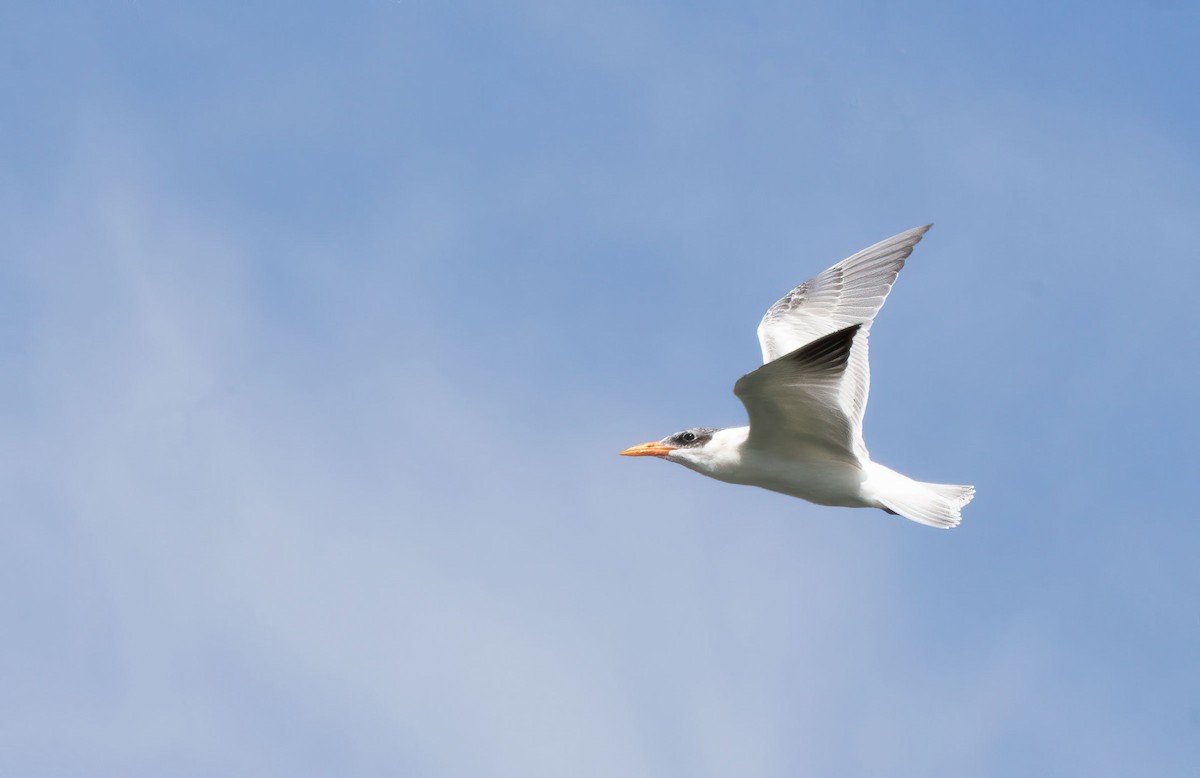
[806, 402]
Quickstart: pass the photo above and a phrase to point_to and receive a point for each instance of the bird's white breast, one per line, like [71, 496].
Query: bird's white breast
[801, 473]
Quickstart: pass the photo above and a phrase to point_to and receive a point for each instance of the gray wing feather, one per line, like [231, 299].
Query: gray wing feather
[849, 293]
[794, 401]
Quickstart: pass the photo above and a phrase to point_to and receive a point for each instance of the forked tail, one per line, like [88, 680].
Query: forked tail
[937, 505]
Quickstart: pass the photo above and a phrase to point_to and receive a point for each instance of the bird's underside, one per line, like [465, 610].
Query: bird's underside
[806, 402]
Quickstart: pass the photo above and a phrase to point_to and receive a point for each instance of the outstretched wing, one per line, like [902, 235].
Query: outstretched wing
[851, 292]
[794, 402]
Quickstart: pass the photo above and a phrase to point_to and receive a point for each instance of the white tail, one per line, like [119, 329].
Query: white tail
[937, 505]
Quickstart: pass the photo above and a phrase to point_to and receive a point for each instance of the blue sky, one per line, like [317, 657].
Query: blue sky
[321, 327]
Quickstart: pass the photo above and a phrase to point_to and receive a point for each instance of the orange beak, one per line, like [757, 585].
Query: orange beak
[652, 449]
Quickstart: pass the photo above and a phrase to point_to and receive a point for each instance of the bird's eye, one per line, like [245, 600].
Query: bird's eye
[689, 437]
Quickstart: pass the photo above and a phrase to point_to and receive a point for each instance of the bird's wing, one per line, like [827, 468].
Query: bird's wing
[795, 402]
[851, 292]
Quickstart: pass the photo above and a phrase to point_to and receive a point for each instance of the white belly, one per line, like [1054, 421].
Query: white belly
[825, 482]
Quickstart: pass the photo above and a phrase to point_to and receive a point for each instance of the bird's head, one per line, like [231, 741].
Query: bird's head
[686, 447]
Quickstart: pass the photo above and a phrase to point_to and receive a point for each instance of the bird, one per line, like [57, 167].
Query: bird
[806, 402]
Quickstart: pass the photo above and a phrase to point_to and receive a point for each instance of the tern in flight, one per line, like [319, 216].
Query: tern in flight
[806, 402]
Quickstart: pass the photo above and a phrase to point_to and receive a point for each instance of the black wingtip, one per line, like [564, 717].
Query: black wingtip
[828, 352]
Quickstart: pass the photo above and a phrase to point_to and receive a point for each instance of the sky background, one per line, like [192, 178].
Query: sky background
[322, 324]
